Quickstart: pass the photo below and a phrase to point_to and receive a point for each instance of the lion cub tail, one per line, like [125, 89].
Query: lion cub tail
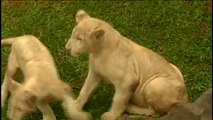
[8, 41]
[71, 109]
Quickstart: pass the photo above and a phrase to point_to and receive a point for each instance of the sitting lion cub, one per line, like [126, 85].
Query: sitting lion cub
[41, 81]
[144, 81]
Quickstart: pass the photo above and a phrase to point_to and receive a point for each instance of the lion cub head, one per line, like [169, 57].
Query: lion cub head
[22, 101]
[87, 35]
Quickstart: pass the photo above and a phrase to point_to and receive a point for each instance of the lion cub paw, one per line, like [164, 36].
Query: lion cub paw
[3, 99]
[108, 116]
[2, 103]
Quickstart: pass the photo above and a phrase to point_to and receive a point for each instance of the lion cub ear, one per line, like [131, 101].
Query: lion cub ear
[30, 97]
[81, 15]
[97, 33]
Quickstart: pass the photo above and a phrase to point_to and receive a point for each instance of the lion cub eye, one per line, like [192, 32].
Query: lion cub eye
[79, 38]
[18, 108]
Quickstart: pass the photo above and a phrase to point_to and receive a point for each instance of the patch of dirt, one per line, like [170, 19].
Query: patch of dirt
[201, 27]
[16, 3]
[208, 6]
[136, 117]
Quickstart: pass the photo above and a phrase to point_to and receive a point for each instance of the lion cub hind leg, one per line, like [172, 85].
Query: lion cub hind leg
[62, 92]
[162, 94]
[70, 106]
[133, 109]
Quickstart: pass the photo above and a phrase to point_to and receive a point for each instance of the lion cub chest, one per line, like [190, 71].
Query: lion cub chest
[109, 68]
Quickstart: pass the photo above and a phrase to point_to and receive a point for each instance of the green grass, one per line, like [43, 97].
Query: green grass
[178, 30]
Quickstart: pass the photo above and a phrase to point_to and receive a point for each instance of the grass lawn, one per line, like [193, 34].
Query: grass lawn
[181, 31]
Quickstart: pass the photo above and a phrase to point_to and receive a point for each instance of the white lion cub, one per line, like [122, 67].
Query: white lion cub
[144, 81]
[41, 83]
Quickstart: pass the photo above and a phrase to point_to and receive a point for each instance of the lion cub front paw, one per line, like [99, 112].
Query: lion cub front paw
[2, 103]
[108, 116]
[3, 99]
[50, 117]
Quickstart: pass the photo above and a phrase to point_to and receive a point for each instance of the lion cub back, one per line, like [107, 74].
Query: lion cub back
[29, 47]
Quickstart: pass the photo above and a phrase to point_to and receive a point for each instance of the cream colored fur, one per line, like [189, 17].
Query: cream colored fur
[41, 83]
[144, 81]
